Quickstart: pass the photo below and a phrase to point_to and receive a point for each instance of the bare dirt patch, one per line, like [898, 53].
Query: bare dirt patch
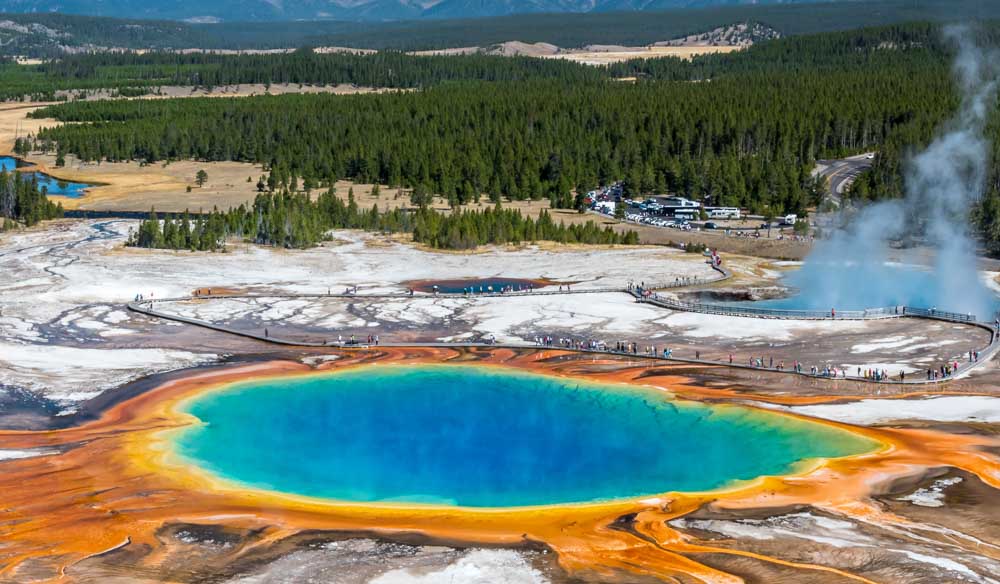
[238, 90]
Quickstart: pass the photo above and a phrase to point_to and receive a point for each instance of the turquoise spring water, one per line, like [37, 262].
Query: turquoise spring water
[479, 436]
[477, 285]
[53, 186]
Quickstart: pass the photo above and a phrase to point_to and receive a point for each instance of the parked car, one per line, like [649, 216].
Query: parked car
[711, 225]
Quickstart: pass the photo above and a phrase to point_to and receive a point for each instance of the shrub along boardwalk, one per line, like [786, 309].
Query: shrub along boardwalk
[147, 307]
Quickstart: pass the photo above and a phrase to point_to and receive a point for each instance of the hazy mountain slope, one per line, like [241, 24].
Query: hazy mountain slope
[358, 10]
[47, 34]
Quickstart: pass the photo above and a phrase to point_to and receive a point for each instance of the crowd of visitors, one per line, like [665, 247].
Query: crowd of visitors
[874, 374]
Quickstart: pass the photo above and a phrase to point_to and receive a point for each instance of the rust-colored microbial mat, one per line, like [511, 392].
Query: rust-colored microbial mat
[111, 486]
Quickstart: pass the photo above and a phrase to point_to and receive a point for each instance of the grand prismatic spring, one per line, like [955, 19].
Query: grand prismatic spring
[602, 456]
[487, 437]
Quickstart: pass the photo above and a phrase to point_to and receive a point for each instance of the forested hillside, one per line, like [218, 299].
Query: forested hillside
[917, 44]
[52, 35]
[526, 140]
[348, 10]
[739, 129]
[641, 28]
[747, 134]
[44, 34]
[135, 74]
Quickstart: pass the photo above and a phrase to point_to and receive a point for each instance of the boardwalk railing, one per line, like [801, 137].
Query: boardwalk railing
[649, 295]
[939, 314]
[747, 311]
[146, 307]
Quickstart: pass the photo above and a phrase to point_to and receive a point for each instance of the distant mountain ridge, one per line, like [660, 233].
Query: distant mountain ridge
[348, 10]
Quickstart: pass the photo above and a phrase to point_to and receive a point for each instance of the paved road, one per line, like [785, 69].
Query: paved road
[839, 174]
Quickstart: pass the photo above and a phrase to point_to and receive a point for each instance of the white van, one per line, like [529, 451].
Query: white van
[789, 219]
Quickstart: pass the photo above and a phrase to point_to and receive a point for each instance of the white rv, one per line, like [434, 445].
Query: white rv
[724, 213]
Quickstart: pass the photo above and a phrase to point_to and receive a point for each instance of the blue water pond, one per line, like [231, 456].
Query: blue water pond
[477, 285]
[53, 186]
[479, 436]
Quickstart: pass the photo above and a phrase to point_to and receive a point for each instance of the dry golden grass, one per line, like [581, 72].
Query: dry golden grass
[14, 122]
[594, 55]
[627, 53]
[239, 90]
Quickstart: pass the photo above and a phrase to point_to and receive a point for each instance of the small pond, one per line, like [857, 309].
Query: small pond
[477, 285]
[53, 186]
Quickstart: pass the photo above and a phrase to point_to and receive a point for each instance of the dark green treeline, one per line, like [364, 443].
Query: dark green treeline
[736, 141]
[742, 129]
[296, 221]
[133, 74]
[22, 202]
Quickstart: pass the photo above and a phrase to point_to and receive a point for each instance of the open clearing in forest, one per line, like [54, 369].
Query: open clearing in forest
[237, 90]
[589, 55]
[626, 53]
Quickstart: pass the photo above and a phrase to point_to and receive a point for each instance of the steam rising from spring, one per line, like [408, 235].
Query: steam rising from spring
[849, 269]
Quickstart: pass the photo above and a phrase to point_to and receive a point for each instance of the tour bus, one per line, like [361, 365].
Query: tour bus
[671, 202]
[724, 213]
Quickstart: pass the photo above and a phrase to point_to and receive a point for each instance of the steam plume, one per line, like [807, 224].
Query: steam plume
[849, 269]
